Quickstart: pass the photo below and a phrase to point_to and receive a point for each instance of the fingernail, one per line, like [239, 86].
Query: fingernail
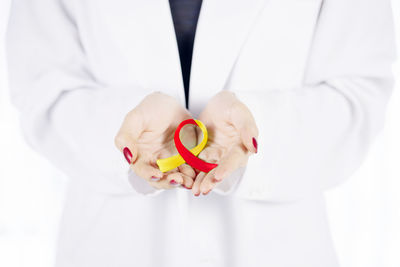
[155, 178]
[186, 187]
[255, 144]
[198, 194]
[205, 193]
[173, 182]
[216, 180]
[128, 155]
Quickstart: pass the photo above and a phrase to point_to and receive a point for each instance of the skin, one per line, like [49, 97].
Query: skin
[148, 132]
[231, 129]
[149, 128]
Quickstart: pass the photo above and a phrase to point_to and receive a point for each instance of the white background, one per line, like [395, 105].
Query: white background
[364, 212]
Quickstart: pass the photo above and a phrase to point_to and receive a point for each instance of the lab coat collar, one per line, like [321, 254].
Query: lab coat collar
[222, 29]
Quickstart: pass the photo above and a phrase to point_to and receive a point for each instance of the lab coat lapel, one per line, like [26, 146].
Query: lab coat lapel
[142, 33]
[221, 31]
[164, 57]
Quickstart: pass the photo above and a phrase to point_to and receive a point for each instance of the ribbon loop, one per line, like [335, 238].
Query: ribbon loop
[185, 155]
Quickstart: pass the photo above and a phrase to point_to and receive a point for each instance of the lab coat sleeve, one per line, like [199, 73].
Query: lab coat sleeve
[314, 137]
[66, 114]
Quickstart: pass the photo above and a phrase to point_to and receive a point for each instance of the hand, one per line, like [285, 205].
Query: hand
[232, 138]
[147, 135]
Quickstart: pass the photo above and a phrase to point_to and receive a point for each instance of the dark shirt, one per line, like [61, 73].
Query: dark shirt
[185, 14]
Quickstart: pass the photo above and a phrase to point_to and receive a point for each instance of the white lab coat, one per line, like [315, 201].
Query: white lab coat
[315, 74]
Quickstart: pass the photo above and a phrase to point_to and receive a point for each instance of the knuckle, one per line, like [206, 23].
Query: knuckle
[119, 140]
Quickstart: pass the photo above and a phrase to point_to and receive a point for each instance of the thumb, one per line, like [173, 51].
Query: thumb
[130, 131]
[249, 138]
[127, 145]
[244, 122]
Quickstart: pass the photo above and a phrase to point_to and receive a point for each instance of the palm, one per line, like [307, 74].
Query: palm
[157, 139]
[223, 138]
[232, 131]
[148, 132]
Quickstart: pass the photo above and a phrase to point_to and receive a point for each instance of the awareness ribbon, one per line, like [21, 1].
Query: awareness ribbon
[185, 155]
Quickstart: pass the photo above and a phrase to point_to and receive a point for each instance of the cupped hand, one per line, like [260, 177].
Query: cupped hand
[232, 139]
[147, 135]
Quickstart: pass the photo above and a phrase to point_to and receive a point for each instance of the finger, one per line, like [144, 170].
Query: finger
[145, 170]
[187, 181]
[210, 154]
[130, 131]
[243, 121]
[127, 146]
[162, 184]
[197, 183]
[178, 178]
[249, 139]
[187, 170]
[208, 183]
[174, 180]
[235, 159]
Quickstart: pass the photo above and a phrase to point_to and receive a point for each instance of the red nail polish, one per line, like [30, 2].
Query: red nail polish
[128, 155]
[197, 194]
[173, 182]
[155, 178]
[255, 144]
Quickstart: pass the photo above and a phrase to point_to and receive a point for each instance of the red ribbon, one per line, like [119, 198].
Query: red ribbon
[191, 159]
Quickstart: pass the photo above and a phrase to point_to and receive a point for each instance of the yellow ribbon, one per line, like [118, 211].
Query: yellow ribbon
[173, 162]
